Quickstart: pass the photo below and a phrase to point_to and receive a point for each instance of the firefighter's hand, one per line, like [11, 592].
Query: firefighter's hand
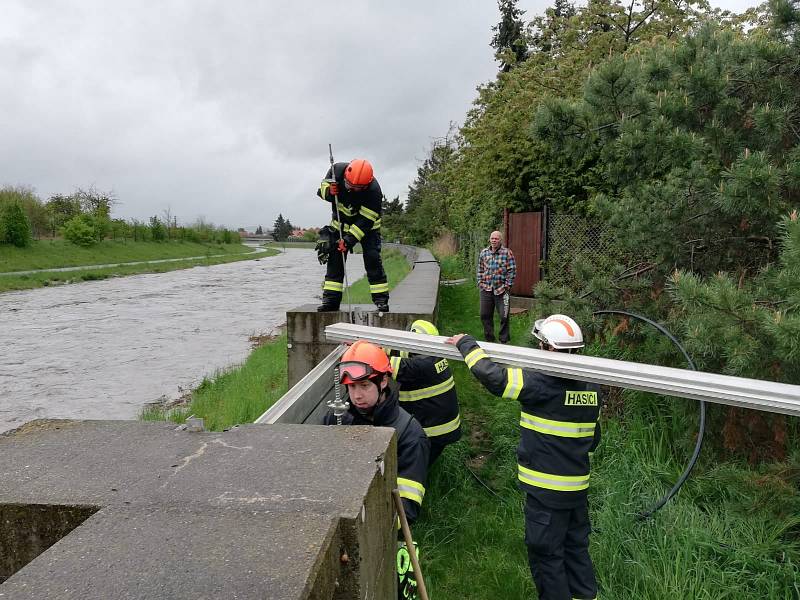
[334, 188]
[341, 246]
[454, 339]
[349, 243]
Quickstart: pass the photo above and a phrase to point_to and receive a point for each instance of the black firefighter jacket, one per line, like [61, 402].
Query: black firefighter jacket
[428, 392]
[360, 212]
[413, 447]
[558, 426]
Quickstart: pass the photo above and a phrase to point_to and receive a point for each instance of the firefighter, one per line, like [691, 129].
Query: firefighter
[353, 187]
[559, 429]
[366, 373]
[428, 392]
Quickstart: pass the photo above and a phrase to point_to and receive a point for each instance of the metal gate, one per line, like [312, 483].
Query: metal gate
[523, 235]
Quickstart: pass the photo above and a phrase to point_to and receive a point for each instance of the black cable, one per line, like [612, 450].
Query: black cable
[702, 426]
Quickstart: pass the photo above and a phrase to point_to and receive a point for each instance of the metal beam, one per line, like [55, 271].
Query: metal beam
[301, 404]
[697, 385]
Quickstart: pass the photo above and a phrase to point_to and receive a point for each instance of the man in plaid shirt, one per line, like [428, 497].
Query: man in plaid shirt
[496, 272]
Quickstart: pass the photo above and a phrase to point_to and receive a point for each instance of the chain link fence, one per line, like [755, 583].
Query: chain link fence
[571, 240]
[574, 239]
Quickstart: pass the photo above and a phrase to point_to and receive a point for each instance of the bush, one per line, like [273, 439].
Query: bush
[81, 231]
[15, 228]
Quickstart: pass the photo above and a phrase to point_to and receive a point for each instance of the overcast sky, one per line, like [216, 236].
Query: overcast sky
[225, 109]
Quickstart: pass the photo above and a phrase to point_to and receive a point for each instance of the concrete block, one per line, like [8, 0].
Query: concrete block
[116, 509]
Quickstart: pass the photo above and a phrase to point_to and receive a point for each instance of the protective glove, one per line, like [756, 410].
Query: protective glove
[334, 187]
[324, 244]
[323, 248]
[347, 243]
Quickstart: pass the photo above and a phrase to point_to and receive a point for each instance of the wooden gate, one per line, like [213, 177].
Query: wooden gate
[523, 235]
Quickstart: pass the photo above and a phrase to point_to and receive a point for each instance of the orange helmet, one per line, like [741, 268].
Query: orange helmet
[361, 361]
[358, 174]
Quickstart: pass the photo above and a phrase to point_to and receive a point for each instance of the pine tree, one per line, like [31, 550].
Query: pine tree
[278, 229]
[509, 41]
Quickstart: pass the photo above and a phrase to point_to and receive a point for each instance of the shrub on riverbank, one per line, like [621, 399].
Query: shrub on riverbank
[15, 229]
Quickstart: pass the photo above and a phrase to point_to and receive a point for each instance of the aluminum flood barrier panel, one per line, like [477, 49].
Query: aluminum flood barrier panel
[305, 401]
[697, 385]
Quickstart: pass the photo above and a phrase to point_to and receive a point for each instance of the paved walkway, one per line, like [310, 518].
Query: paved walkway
[125, 264]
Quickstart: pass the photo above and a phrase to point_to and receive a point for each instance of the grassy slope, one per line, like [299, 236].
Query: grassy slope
[51, 254]
[732, 532]
[243, 393]
[212, 255]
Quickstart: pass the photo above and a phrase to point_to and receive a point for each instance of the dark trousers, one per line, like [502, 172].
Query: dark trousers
[489, 304]
[558, 551]
[334, 276]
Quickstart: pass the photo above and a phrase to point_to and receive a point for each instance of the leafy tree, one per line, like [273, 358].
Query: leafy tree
[426, 211]
[259, 230]
[310, 235]
[61, 209]
[15, 228]
[509, 41]
[31, 205]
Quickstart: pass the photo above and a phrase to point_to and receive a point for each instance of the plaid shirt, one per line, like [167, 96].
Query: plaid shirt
[496, 270]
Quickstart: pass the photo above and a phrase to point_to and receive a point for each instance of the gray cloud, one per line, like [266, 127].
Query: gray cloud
[225, 110]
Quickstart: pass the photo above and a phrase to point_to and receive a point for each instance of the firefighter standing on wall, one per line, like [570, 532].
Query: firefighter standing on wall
[359, 208]
[428, 392]
[558, 430]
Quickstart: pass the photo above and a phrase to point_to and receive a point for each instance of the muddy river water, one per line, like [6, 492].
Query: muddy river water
[103, 349]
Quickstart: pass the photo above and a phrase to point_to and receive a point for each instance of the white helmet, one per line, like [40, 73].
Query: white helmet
[559, 331]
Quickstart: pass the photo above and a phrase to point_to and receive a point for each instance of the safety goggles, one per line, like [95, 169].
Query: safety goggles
[353, 187]
[354, 371]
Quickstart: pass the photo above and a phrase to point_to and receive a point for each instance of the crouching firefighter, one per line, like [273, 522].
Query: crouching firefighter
[558, 430]
[366, 374]
[352, 188]
[428, 392]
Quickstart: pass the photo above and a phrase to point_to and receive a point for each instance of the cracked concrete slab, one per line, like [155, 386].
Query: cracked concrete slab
[258, 511]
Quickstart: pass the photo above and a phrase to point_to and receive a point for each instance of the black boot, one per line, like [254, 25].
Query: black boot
[328, 306]
[382, 305]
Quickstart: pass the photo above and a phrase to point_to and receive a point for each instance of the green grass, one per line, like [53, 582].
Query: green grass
[48, 278]
[241, 394]
[396, 268]
[53, 254]
[732, 532]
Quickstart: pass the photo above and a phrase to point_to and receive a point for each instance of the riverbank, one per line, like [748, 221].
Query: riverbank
[241, 394]
[129, 258]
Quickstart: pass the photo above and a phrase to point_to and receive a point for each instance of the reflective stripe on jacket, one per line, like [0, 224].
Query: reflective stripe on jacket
[428, 392]
[558, 426]
[359, 212]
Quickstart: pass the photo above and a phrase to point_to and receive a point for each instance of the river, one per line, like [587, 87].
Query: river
[104, 349]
